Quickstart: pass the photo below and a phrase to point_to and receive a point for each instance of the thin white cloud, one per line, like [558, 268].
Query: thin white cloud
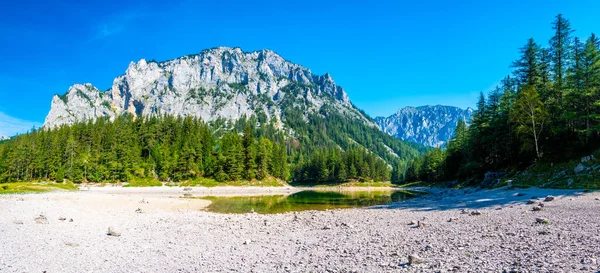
[10, 126]
[117, 23]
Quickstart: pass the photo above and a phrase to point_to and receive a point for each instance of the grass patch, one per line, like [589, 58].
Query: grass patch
[209, 182]
[35, 187]
[420, 184]
[144, 182]
[349, 184]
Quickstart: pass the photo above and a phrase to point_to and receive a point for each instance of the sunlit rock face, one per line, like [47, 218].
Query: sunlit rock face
[215, 83]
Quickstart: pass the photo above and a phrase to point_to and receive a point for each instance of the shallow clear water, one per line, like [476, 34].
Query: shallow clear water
[304, 200]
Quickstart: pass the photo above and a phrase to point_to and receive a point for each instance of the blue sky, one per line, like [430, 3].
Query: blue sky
[386, 54]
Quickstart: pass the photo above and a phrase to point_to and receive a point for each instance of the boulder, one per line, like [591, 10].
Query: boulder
[580, 168]
[475, 212]
[536, 208]
[491, 179]
[549, 198]
[587, 158]
[414, 259]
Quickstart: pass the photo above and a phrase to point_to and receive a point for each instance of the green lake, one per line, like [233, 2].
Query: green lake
[305, 200]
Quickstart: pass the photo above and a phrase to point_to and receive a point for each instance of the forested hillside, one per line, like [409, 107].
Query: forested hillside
[548, 110]
[329, 148]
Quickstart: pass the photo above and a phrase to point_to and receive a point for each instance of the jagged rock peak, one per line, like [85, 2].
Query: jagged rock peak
[216, 83]
[427, 125]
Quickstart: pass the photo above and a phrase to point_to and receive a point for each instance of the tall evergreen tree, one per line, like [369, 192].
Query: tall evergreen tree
[527, 68]
[560, 51]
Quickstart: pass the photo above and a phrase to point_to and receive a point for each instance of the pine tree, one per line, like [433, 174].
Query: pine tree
[560, 51]
[250, 152]
[263, 158]
[590, 96]
[527, 68]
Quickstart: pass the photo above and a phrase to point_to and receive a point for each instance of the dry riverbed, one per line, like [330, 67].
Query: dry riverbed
[448, 230]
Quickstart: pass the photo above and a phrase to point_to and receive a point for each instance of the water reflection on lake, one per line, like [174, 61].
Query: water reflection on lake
[305, 200]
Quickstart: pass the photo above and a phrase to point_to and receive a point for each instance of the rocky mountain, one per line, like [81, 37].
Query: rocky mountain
[229, 84]
[216, 83]
[3, 137]
[426, 125]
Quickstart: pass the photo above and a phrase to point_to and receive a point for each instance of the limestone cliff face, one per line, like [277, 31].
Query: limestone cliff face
[216, 83]
[426, 125]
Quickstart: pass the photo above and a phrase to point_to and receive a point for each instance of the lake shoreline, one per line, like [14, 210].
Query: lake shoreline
[496, 231]
[228, 190]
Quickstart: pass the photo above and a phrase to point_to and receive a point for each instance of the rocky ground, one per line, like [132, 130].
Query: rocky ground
[461, 231]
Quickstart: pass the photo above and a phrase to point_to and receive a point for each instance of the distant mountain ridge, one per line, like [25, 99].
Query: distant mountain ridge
[426, 125]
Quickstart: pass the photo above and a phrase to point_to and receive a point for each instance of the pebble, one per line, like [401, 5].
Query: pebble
[41, 219]
[541, 220]
[112, 232]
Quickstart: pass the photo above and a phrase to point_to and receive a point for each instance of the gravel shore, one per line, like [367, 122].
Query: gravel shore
[448, 230]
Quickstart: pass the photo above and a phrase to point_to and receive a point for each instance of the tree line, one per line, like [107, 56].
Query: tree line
[547, 110]
[335, 165]
[168, 148]
[164, 148]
